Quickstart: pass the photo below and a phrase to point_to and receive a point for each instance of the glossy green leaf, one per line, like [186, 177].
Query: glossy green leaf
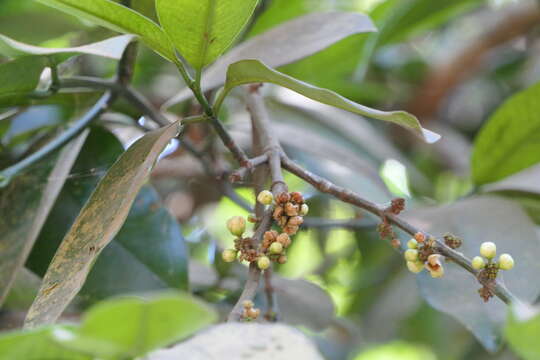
[203, 29]
[285, 44]
[110, 48]
[148, 253]
[38, 344]
[522, 331]
[118, 18]
[254, 71]
[96, 225]
[477, 220]
[131, 327]
[19, 77]
[24, 206]
[508, 142]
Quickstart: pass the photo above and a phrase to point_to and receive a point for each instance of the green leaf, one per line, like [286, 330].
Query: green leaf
[203, 29]
[254, 71]
[24, 206]
[131, 327]
[37, 344]
[118, 18]
[24, 290]
[127, 264]
[477, 220]
[110, 48]
[19, 77]
[509, 142]
[285, 44]
[96, 225]
[522, 331]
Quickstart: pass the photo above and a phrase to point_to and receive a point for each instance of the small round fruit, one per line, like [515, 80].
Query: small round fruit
[284, 240]
[478, 263]
[415, 266]
[420, 237]
[263, 263]
[253, 313]
[282, 259]
[228, 255]
[236, 225]
[411, 255]
[276, 248]
[265, 197]
[506, 262]
[248, 304]
[304, 209]
[488, 250]
[412, 244]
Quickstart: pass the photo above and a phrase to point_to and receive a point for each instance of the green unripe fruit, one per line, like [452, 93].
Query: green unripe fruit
[265, 197]
[304, 209]
[236, 225]
[478, 263]
[488, 250]
[412, 244]
[263, 263]
[437, 273]
[276, 248]
[506, 262]
[415, 266]
[411, 255]
[228, 255]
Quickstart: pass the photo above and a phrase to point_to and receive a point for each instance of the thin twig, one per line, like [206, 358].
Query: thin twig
[349, 224]
[241, 173]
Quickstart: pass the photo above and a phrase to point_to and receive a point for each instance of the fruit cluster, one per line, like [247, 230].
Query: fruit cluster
[250, 313]
[488, 250]
[288, 212]
[420, 255]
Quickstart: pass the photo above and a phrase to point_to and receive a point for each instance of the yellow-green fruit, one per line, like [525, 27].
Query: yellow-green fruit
[488, 250]
[478, 263]
[412, 244]
[276, 248]
[415, 266]
[506, 262]
[411, 255]
[265, 197]
[263, 263]
[228, 255]
[236, 225]
[437, 273]
[304, 209]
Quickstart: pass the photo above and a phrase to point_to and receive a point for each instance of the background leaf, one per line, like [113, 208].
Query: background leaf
[118, 18]
[476, 220]
[24, 206]
[148, 253]
[253, 71]
[509, 142]
[96, 225]
[203, 29]
[18, 78]
[522, 331]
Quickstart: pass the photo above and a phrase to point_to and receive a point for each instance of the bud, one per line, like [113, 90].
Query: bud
[276, 248]
[236, 225]
[270, 235]
[263, 263]
[248, 304]
[411, 255]
[304, 209]
[415, 266]
[420, 237]
[282, 259]
[434, 262]
[396, 244]
[412, 244]
[506, 262]
[253, 313]
[488, 250]
[278, 212]
[478, 263]
[297, 197]
[296, 221]
[284, 240]
[265, 197]
[290, 229]
[290, 209]
[228, 255]
[252, 218]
